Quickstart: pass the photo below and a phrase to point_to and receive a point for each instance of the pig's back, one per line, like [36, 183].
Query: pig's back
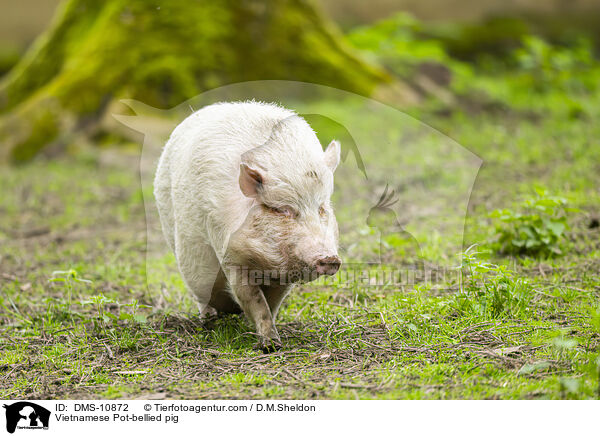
[197, 175]
[226, 128]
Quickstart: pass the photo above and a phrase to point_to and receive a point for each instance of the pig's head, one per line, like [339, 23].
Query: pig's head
[290, 181]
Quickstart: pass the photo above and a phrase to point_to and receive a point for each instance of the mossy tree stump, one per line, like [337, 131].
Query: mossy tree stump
[162, 53]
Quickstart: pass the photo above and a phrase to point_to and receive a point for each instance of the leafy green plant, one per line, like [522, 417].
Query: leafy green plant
[68, 278]
[490, 291]
[551, 65]
[60, 309]
[110, 318]
[537, 229]
[398, 43]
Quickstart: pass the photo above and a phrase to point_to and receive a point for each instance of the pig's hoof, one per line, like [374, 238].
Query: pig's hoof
[268, 345]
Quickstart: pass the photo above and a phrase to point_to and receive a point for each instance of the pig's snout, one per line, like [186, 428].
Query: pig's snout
[328, 265]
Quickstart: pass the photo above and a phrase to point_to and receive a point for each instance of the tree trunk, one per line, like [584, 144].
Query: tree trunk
[162, 53]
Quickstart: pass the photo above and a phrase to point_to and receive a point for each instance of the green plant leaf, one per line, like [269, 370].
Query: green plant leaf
[557, 227]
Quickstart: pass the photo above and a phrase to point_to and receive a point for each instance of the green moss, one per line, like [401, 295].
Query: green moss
[9, 57]
[46, 57]
[44, 129]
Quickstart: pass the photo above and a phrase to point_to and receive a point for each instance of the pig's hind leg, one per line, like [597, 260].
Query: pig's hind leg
[199, 268]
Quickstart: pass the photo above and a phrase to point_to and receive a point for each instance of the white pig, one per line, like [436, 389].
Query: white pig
[243, 192]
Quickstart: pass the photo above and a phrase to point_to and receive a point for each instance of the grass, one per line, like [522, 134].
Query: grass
[84, 315]
[94, 330]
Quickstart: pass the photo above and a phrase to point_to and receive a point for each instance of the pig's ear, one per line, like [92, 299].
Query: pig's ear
[332, 155]
[251, 180]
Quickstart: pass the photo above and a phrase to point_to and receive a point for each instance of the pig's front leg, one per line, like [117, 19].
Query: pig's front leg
[254, 304]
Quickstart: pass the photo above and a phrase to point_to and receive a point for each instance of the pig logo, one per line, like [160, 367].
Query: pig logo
[26, 415]
[225, 224]
[432, 174]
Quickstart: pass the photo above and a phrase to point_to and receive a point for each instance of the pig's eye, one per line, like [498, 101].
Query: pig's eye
[322, 211]
[285, 211]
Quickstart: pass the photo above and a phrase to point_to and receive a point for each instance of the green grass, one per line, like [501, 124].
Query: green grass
[517, 328]
[84, 315]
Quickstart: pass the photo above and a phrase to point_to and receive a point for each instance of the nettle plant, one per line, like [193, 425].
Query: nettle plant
[537, 229]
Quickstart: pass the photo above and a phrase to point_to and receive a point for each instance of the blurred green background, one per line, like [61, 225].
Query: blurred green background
[22, 22]
[403, 53]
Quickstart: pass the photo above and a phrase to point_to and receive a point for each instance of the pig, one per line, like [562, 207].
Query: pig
[243, 193]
